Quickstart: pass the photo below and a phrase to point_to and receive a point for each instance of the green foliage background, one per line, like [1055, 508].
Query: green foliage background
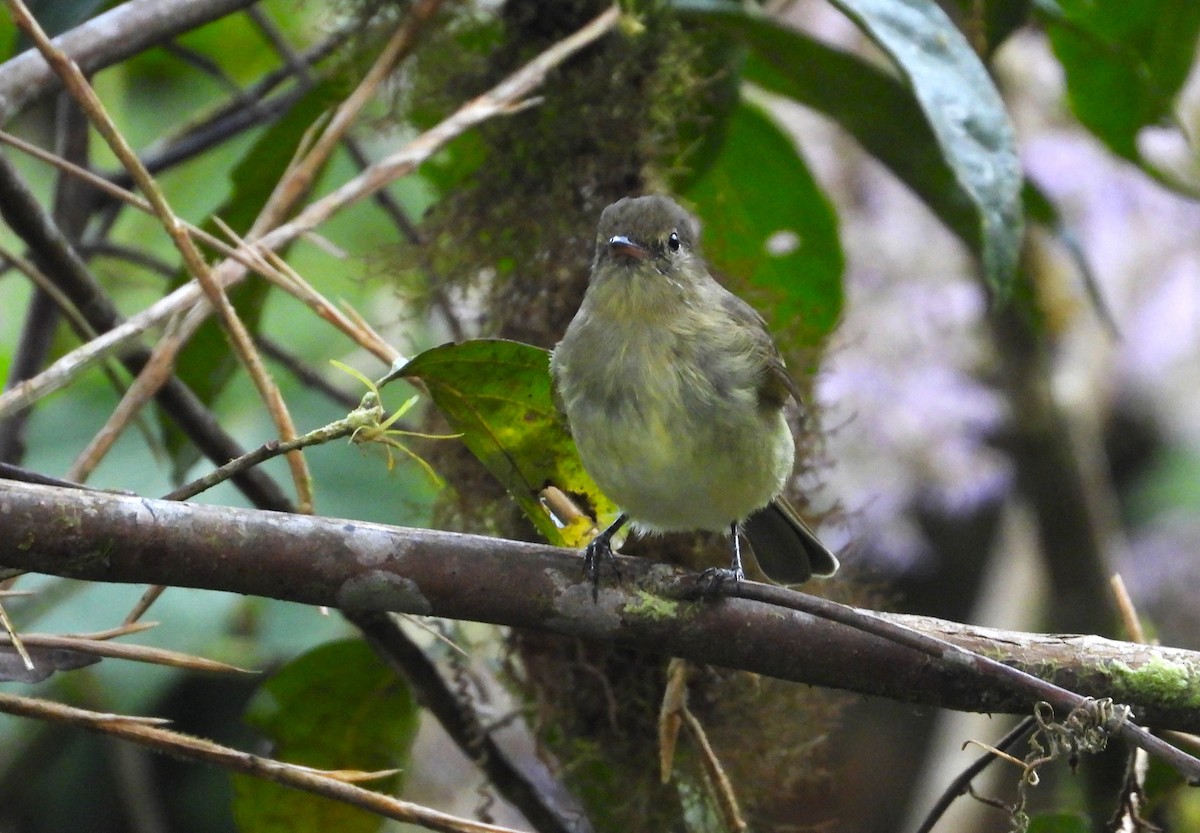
[683, 99]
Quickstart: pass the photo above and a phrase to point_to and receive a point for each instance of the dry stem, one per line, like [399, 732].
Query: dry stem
[144, 732]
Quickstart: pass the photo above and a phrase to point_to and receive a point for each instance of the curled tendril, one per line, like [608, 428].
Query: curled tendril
[1086, 729]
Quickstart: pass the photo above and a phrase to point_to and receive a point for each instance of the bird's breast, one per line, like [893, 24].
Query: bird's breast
[669, 425]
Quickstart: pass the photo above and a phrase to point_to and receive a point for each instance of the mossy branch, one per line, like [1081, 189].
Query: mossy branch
[361, 566]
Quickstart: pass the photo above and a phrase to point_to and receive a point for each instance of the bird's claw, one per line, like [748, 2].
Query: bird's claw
[714, 578]
[597, 552]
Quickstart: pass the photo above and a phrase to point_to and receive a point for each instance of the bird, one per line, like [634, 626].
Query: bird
[674, 392]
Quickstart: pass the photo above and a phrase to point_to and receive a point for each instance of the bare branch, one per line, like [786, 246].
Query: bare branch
[299, 179]
[361, 566]
[105, 40]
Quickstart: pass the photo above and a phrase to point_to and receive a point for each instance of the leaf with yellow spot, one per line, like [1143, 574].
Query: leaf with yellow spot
[497, 394]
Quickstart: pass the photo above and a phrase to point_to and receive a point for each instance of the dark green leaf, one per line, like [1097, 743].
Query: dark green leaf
[336, 707]
[758, 194]
[497, 394]
[965, 111]
[942, 129]
[1125, 62]
[1059, 823]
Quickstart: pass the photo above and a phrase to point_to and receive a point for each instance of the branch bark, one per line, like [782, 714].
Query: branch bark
[371, 567]
[105, 40]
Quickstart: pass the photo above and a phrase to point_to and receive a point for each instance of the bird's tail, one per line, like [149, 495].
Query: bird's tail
[785, 548]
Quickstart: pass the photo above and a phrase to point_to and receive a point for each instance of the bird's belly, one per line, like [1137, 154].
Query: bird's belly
[672, 480]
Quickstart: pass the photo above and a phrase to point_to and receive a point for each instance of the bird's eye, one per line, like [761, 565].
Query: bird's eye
[673, 241]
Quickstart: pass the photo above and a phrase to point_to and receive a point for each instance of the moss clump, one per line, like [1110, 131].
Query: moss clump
[521, 195]
[650, 606]
[1160, 680]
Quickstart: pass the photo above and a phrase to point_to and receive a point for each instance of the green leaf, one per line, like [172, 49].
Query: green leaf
[1125, 62]
[498, 395]
[965, 111]
[941, 128]
[757, 195]
[336, 707]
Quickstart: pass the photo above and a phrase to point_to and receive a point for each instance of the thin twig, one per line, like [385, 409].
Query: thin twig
[369, 413]
[299, 179]
[501, 100]
[295, 64]
[129, 254]
[673, 715]
[305, 374]
[39, 279]
[243, 345]
[722, 786]
[1126, 609]
[233, 118]
[962, 783]
[669, 721]
[42, 313]
[106, 39]
[281, 274]
[117, 650]
[143, 389]
[514, 778]
[205, 65]
[14, 639]
[142, 731]
[126, 197]
[27, 217]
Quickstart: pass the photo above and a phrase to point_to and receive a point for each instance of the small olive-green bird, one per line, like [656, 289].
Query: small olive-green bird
[674, 392]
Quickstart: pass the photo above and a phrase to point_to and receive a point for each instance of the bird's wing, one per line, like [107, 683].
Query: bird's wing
[776, 385]
[556, 393]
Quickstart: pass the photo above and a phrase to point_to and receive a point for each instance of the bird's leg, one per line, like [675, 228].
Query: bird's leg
[600, 549]
[712, 578]
[735, 536]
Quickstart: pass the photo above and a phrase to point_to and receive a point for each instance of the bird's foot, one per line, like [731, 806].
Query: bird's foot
[598, 552]
[713, 579]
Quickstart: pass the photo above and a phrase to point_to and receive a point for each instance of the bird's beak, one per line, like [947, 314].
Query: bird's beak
[622, 246]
